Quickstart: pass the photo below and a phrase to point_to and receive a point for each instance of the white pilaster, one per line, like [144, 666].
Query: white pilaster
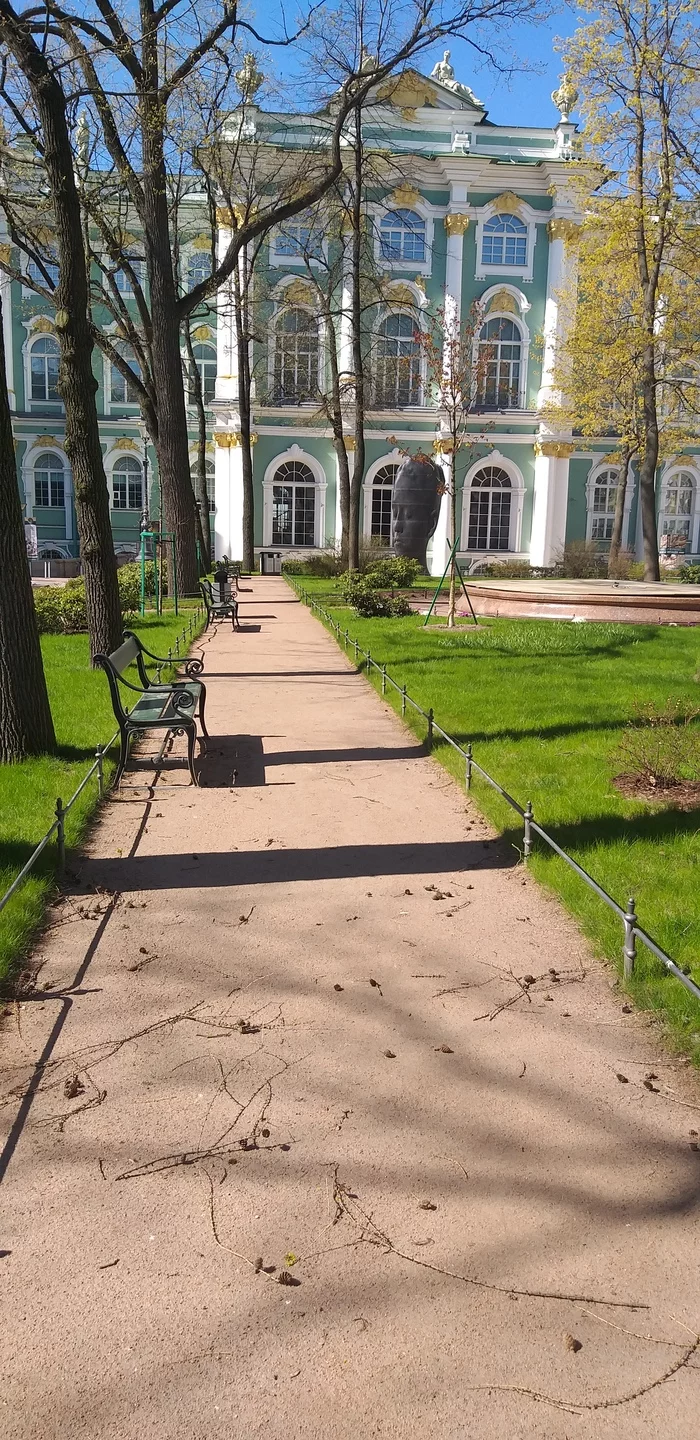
[548, 535]
[226, 348]
[562, 268]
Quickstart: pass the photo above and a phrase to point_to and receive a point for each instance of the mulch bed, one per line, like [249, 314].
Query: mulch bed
[683, 796]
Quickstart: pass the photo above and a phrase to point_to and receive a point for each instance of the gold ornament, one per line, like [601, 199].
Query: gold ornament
[554, 449]
[566, 230]
[5, 253]
[201, 242]
[224, 217]
[46, 440]
[202, 333]
[349, 442]
[43, 326]
[405, 196]
[409, 92]
[125, 442]
[419, 283]
[508, 203]
[298, 293]
[223, 439]
[565, 97]
[399, 295]
[456, 224]
[503, 300]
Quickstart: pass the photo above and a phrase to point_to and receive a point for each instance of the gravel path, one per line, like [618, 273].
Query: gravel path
[275, 1040]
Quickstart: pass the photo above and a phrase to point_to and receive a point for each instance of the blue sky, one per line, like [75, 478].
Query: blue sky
[522, 98]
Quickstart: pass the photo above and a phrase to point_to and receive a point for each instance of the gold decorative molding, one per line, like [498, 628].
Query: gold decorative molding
[346, 224]
[201, 242]
[224, 217]
[409, 92]
[554, 449]
[203, 332]
[222, 439]
[126, 238]
[45, 440]
[397, 294]
[126, 442]
[409, 114]
[456, 224]
[443, 446]
[349, 441]
[419, 283]
[567, 230]
[405, 195]
[503, 300]
[508, 203]
[298, 293]
[43, 326]
[5, 253]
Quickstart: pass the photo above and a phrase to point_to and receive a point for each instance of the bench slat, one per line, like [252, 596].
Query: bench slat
[124, 656]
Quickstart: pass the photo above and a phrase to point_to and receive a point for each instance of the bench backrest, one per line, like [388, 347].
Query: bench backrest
[114, 666]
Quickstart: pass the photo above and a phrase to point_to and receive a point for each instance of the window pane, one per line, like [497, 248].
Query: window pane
[41, 490]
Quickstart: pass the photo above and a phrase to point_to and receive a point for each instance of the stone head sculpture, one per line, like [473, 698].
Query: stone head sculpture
[415, 506]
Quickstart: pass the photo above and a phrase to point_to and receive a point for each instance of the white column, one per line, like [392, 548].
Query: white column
[548, 535]
[226, 349]
[338, 516]
[222, 499]
[6, 293]
[562, 267]
[456, 223]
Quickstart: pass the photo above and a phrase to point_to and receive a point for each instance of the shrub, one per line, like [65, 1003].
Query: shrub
[689, 575]
[129, 581]
[367, 600]
[581, 561]
[394, 570]
[48, 603]
[60, 610]
[73, 612]
[324, 565]
[661, 745]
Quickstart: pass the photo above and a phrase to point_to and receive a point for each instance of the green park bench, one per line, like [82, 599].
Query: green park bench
[218, 609]
[160, 706]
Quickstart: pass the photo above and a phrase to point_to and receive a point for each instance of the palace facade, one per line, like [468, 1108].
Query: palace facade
[471, 212]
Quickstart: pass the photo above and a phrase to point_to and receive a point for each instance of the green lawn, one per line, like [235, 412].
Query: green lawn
[83, 718]
[544, 704]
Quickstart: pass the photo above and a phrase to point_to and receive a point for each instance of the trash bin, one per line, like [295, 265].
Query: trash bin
[270, 562]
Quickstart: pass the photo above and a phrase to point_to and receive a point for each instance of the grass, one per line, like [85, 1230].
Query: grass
[545, 704]
[83, 719]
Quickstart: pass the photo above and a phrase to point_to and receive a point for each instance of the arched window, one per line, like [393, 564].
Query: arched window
[382, 490]
[505, 241]
[603, 497]
[499, 365]
[205, 360]
[402, 236]
[121, 391]
[211, 470]
[127, 484]
[677, 513]
[49, 482]
[293, 504]
[398, 369]
[300, 238]
[122, 278]
[198, 267]
[296, 356]
[490, 503]
[35, 273]
[43, 364]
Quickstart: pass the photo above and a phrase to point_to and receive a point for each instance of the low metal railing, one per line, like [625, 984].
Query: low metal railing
[58, 828]
[633, 931]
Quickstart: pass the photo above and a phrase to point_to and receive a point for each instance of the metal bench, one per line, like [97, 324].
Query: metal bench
[218, 609]
[160, 706]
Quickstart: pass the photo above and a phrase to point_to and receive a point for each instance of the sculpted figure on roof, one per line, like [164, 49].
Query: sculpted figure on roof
[445, 75]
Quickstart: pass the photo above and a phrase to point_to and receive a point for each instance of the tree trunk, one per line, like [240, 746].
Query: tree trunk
[26, 727]
[241, 302]
[647, 470]
[201, 494]
[618, 521]
[77, 384]
[358, 472]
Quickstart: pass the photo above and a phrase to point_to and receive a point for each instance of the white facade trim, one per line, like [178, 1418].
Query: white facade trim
[519, 297]
[516, 508]
[295, 452]
[676, 467]
[598, 468]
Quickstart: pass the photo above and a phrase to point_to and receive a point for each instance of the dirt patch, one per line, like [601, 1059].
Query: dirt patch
[685, 795]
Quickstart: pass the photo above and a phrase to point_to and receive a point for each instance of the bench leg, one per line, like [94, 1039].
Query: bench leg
[191, 742]
[123, 757]
[202, 702]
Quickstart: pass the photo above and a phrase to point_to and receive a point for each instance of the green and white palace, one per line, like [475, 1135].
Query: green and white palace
[471, 212]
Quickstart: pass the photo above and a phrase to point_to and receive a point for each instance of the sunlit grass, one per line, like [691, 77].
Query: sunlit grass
[83, 718]
[545, 704]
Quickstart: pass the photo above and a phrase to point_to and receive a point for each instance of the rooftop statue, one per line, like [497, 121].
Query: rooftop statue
[249, 78]
[445, 75]
[565, 97]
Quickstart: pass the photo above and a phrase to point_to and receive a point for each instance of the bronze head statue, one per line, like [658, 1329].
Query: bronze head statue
[415, 506]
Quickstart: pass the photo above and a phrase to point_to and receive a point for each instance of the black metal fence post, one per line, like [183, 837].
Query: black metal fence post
[630, 951]
[60, 836]
[527, 841]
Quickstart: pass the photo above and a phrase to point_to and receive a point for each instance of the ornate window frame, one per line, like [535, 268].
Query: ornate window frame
[379, 210]
[692, 466]
[122, 451]
[48, 445]
[283, 300]
[597, 469]
[524, 353]
[37, 326]
[385, 311]
[295, 452]
[393, 458]
[283, 262]
[507, 205]
[516, 509]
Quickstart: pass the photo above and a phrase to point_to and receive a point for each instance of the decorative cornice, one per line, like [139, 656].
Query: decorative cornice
[508, 203]
[567, 230]
[456, 224]
[231, 439]
[405, 195]
[410, 91]
[554, 449]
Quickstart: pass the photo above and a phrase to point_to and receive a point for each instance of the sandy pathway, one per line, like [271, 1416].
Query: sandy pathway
[250, 1093]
